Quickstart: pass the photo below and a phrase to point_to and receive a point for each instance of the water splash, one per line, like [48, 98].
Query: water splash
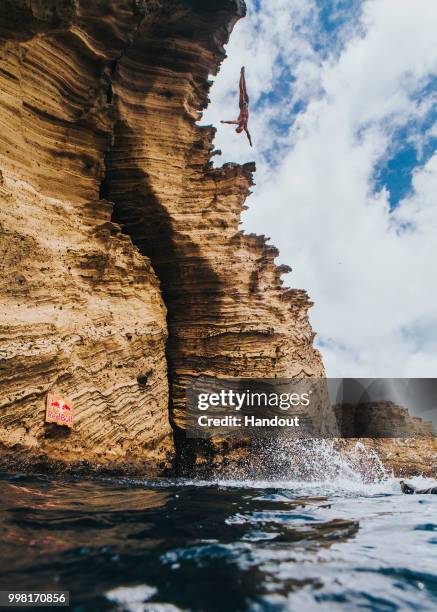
[327, 460]
[311, 461]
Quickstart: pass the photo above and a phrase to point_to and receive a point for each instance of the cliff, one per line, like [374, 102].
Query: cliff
[124, 272]
[380, 419]
[404, 444]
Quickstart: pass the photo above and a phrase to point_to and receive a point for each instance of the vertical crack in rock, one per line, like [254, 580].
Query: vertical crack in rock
[228, 315]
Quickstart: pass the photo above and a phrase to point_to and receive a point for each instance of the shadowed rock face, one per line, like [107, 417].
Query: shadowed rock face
[118, 233]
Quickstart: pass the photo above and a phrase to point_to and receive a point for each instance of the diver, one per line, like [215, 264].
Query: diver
[410, 490]
[243, 117]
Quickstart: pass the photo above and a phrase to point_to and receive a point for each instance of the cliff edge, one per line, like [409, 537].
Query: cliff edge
[124, 272]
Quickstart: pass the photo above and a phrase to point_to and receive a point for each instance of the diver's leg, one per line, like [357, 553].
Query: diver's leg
[242, 88]
[244, 98]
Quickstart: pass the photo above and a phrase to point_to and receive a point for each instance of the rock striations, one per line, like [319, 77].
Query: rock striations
[124, 272]
[81, 309]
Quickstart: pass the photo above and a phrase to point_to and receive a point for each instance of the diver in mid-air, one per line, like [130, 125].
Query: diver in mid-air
[243, 117]
[410, 490]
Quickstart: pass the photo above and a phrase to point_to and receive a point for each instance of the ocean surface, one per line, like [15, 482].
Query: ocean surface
[346, 541]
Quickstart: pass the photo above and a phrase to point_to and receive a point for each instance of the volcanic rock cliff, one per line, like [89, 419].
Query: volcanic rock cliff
[124, 272]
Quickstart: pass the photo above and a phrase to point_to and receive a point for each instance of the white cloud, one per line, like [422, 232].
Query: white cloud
[370, 273]
[266, 43]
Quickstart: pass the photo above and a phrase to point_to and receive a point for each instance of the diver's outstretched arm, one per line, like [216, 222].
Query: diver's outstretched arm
[248, 137]
[230, 122]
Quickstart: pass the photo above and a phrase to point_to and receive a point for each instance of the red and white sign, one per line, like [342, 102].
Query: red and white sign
[59, 410]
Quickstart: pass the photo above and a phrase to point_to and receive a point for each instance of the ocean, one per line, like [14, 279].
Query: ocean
[347, 541]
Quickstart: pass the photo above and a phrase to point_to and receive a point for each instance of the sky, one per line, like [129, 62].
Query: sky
[344, 122]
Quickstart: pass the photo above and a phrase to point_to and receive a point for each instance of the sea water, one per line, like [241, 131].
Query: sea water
[345, 538]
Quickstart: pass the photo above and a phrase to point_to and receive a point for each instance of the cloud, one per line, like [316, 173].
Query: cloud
[325, 116]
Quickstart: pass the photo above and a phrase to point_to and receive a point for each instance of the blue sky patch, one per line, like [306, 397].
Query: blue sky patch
[411, 148]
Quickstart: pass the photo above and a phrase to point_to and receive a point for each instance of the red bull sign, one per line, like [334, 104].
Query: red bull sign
[59, 410]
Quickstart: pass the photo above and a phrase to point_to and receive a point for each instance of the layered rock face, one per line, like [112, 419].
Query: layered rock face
[81, 309]
[380, 419]
[112, 216]
[410, 445]
[228, 313]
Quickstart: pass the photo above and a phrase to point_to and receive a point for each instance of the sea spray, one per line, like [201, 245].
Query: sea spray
[306, 460]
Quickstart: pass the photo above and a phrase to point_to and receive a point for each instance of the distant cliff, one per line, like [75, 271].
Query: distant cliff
[405, 444]
[380, 419]
[124, 273]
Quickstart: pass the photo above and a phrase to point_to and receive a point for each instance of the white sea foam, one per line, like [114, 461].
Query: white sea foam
[306, 467]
